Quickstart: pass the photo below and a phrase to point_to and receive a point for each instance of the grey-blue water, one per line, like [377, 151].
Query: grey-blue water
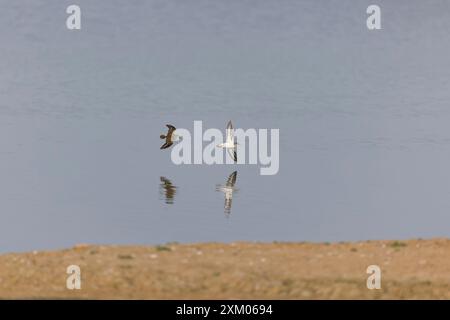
[364, 119]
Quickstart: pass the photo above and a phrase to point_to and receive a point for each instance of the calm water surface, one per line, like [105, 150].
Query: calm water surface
[363, 117]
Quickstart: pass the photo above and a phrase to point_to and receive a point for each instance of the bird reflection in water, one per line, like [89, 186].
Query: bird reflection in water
[167, 190]
[228, 189]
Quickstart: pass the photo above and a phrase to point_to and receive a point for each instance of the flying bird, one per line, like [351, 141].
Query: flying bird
[230, 144]
[170, 136]
[228, 189]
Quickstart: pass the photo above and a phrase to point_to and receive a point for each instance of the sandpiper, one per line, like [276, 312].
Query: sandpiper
[170, 136]
[230, 144]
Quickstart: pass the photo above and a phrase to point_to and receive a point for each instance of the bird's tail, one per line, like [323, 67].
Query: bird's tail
[162, 136]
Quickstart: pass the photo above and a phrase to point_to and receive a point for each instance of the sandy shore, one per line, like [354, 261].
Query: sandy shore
[414, 269]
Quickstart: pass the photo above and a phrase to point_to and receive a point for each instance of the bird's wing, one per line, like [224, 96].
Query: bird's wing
[231, 179]
[232, 153]
[230, 133]
[166, 145]
[171, 129]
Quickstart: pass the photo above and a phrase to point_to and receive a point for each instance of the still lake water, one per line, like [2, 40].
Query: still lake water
[364, 121]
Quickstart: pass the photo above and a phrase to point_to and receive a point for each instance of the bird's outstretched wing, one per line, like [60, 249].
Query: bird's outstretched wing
[231, 179]
[166, 145]
[232, 153]
[171, 129]
[230, 133]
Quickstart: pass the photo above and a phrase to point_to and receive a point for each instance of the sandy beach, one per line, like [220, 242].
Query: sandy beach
[413, 269]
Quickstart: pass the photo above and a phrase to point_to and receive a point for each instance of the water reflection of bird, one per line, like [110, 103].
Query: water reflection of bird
[228, 189]
[168, 189]
[170, 136]
[230, 144]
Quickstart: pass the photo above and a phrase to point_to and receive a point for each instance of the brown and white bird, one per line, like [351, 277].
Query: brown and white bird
[170, 136]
